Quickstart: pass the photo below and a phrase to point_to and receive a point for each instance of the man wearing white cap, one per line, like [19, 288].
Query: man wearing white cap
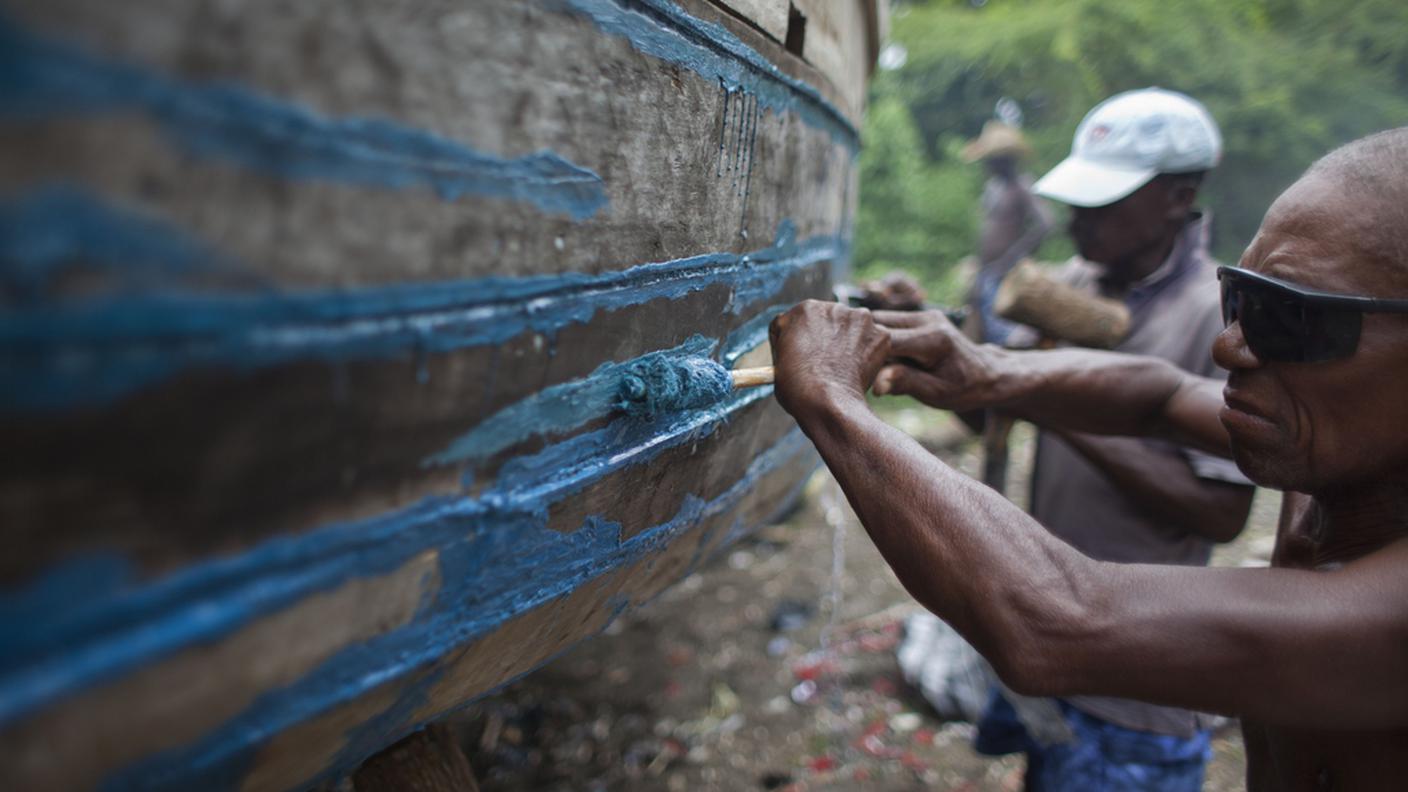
[1136, 163]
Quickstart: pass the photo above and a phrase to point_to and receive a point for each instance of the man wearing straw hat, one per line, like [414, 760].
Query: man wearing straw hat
[1013, 224]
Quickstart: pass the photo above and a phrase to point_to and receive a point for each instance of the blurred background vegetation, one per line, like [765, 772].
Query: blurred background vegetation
[1287, 80]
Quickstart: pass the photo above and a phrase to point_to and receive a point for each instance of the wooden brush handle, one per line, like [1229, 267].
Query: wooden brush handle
[750, 377]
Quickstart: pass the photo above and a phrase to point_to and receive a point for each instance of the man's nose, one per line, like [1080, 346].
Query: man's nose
[1230, 350]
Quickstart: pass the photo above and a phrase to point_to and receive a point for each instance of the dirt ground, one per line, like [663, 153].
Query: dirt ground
[772, 668]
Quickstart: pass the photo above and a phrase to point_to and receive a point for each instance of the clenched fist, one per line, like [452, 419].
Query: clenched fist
[825, 352]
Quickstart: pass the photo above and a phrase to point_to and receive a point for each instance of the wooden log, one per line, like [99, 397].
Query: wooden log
[1029, 296]
[428, 761]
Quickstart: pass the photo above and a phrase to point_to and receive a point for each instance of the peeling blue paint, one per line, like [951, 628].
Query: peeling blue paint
[554, 410]
[751, 334]
[491, 573]
[63, 355]
[663, 30]
[42, 78]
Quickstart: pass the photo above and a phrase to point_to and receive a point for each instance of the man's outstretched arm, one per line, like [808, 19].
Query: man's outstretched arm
[1071, 389]
[1279, 646]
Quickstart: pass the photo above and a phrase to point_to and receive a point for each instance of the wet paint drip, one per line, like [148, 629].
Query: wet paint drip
[659, 383]
[738, 139]
[833, 509]
[833, 506]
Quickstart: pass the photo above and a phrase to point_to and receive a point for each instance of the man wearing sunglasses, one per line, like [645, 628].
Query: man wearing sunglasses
[1311, 654]
[1131, 180]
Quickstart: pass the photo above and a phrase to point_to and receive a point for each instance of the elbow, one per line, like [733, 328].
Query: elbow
[1039, 654]
[1027, 671]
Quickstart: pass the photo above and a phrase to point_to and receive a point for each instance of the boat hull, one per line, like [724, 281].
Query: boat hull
[313, 314]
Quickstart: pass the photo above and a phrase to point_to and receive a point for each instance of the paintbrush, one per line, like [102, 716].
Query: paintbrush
[662, 384]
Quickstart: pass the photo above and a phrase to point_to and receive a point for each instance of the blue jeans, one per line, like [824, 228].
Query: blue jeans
[1103, 757]
[996, 330]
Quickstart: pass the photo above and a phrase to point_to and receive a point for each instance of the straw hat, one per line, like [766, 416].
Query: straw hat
[998, 139]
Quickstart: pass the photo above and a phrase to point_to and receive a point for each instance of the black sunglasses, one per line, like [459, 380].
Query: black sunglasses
[1286, 323]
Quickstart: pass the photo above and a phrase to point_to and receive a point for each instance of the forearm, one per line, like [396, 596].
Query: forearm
[1164, 486]
[960, 549]
[1109, 393]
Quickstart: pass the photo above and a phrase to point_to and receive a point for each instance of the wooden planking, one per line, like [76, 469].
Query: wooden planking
[300, 445]
[160, 707]
[253, 451]
[838, 38]
[44, 752]
[568, 88]
[273, 374]
[769, 15]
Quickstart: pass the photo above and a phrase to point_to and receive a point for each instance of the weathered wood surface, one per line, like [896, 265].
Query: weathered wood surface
[310, 316]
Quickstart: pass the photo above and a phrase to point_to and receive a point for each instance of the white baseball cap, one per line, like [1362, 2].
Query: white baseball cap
[1129, 139]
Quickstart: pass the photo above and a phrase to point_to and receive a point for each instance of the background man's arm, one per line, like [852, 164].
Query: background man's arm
[1075, 390]
[1280, 646]
[1165, 486]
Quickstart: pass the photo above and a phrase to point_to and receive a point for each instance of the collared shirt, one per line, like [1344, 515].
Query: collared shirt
[1175, 315]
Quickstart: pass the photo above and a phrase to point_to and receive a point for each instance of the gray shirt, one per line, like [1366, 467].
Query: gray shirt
[1175, 315]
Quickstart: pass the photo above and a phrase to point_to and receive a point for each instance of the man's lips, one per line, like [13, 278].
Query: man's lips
[1243, 412]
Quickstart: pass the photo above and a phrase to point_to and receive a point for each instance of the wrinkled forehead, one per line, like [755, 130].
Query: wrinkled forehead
[1326, 232]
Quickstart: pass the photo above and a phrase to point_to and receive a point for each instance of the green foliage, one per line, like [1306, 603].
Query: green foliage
[915, 214]
[1287, 80]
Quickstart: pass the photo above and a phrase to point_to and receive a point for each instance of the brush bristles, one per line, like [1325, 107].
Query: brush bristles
[654, 385]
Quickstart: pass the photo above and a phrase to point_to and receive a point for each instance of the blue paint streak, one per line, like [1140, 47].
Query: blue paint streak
[751, 334]
[663, 30]
[491, 575]
[554, 410]
[70, 648]
[58, 229]
[65, 355]
[42, 78]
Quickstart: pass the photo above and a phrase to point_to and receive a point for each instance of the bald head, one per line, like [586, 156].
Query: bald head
[1370, 175]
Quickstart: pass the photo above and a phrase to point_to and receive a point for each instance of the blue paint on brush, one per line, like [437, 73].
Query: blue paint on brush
[662, 383]
[663, 30]
[58, 229]
[492, 572]
[59, 356]
[42, 78]
[555, 410]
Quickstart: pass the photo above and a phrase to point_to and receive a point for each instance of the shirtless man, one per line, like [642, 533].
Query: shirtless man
[1014, 222]
[1312, 654]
